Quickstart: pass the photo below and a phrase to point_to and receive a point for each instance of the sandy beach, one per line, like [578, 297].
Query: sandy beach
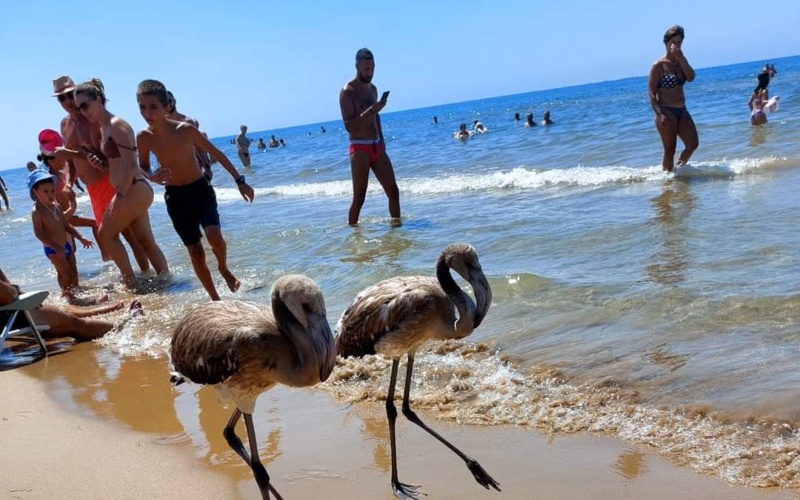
[64, 440]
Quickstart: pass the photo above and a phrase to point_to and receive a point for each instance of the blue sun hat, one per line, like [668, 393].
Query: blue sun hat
[36, 177]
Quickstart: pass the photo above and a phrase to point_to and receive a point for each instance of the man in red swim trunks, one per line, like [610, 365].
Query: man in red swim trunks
[360, 106]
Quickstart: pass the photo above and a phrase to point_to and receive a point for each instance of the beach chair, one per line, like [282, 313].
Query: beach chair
[31, 333]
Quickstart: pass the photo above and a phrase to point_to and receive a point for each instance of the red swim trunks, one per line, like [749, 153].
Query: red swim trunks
[373, 148]
[100, 194]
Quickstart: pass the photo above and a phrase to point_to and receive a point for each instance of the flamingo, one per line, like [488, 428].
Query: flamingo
[245, 349]
[397, 315]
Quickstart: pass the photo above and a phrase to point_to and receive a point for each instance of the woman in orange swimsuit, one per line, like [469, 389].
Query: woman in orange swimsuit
[132, 194]
[673, 120]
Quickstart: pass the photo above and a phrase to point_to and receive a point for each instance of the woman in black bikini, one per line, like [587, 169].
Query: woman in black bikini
[133, 195]
[673, 120]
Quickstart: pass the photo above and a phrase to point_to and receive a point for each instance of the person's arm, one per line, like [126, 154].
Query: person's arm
[72, 206]
[160, 175]
[75, 234]
[8, 292]
[202, 143]
[687, 69]
[750, 101]
[143, 152]
[652, 86]
[351, 120]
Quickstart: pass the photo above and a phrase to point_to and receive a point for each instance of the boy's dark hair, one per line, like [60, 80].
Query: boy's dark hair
[154, 88]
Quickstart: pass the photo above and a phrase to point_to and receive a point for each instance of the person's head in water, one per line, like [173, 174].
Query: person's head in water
[31, 166]
[365, 65]
[435, 120]
[529, 118]
[674, 35]
[516, 117]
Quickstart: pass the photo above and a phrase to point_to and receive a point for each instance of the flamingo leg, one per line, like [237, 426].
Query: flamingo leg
[260, 473]
[400, 490]
[481, 476]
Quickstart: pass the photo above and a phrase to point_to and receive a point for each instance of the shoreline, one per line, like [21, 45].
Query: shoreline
[312, 445]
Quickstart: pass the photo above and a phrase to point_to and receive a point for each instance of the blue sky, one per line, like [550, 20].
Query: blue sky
[276, 64]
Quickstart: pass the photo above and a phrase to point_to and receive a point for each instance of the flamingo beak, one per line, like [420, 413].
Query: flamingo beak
[324, 345]
[483, 294]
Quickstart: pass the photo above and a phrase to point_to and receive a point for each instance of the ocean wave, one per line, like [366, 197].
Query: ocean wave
[520, 178]
[473, 384]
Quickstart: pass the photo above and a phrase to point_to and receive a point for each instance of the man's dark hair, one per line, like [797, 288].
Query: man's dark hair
[364, 55]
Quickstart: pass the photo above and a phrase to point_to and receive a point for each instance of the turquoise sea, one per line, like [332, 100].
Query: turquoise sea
[662, 309]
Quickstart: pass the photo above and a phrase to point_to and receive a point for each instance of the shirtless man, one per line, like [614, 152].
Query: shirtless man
[78, 133]
[360, 106]
[203, 160]
[243, 146]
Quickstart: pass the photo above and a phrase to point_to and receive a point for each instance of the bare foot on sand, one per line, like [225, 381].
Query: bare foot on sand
[230, 279]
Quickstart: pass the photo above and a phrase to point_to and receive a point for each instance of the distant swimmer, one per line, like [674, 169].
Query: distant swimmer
[435, 120]
[283, 144]
[756, 104]
[516, 117]
[547, 120]
[323, 129]
[462, 134]
[478, 127]
[529, 120]
[243, 146]
[665, 85]
[764, 77]
[359, 103]
[261, 144]
[273, 142]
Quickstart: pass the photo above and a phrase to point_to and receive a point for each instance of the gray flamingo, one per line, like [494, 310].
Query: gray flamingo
[245, 349]
[397, 315]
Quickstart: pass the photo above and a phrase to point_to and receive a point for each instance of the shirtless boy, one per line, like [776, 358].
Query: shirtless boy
[53, 229]
[360, 106]
[190, 199]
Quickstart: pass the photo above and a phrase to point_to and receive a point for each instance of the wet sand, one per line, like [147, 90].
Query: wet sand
[88, 424]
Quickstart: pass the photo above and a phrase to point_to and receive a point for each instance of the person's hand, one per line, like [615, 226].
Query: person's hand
[662, 120]
[676, 51]
[161, 175]
[377, 107]
[247, 192]
[86, 243]
[94, 160]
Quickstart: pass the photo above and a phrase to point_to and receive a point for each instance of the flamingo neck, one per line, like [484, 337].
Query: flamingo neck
[463, 303]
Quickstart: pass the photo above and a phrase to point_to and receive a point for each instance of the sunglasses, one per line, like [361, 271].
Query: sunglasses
[84, 106]
[64, 97]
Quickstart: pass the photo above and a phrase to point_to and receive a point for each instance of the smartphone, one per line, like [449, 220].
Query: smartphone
[385, 96]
